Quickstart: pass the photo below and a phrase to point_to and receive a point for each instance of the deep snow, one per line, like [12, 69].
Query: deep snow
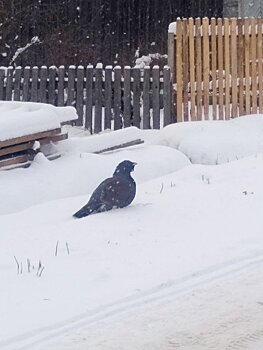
[191, 221]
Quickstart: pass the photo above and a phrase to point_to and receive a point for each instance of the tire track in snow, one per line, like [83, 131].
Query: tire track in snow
[164, 292]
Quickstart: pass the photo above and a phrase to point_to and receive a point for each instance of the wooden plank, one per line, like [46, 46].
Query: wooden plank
[108, 97]
[120, 146]
[192, 67]
[198, 69]
[167, 103]
[214, 66]
[220, 69]
[206, 66]
[2, 83]
[156, 96]
[17, 83]
[61, 86]
[34, 85]
[185, 67]
[260, 62]
[247, 67]
[71, 85]
[127, 115]
[146, 99]
[55, 138]
[179, 71]
[89, 99]
[9, 83]
[14, 160]
[17, 148]
[25, 92]
[32, 137]
[227, 68]
[117, 99]
[52, 72]
[241, 67]
[98, 99]
[136, 96]
[171, 55]
[80, 95]
[43, 85]
[234, 66]
[254, 65]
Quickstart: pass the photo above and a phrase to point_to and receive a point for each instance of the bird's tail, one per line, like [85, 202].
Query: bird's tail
[84, 211]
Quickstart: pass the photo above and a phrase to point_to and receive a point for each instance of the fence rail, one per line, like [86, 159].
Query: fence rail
[217, 67]
[109, 98]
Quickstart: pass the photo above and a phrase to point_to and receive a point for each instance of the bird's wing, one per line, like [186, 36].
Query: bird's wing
[115, 191]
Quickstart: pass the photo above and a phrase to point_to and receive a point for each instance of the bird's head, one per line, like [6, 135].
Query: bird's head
[125, 167]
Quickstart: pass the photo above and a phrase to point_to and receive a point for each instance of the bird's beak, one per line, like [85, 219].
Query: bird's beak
[134, 163]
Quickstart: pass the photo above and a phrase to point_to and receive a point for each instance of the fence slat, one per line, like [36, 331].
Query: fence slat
[220, 69]
[146, 99]
[2, 78]
[98, 99]
[206, 66]
[234, 66]
[213, 63]
[52, 85]
[241, 67]
[260, 69]
[179, 71]
[34, 85]
[25, 92]
[17, 83]
[167, 103]
[79, 94]
[43, 85]
[136, 96]
[227, 68]
[198, 68]
[127, 97]
[247, 65]
[61, 86]
[89, 99]
[71, 85]
[185, 69]
[117, 98]
[9, 83]
[254, 66]
[156, 97]
[192, 67]
[108, 97]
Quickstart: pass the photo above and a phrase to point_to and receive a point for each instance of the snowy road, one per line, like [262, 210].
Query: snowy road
[217, 308]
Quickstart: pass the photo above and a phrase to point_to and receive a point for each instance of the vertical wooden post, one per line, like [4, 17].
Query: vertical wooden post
[198, 68]
[127, 96]
[247, 65]
[179, 71]
[146, 98]
[34, 85]
[171, 51]
[185, 69]
[71, 85]
[61, 86]
[167, 103]
[260, 68]
[80, 95]
[214, 66]
[227, 68]
[98, 99]
[52, 85]
[254, 66]
[25, 92]
[117, 98]
[220, 69]
[17, 83]
[234, 66]
[9, 83]
[43, 84]
[206, 65]
[136, 96]
[156, 97]
[241, 66]
[2, 81]
[89, 99]
[108, 97]
[192, 67]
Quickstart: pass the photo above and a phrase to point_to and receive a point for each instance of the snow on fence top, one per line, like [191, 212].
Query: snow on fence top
[25, 118]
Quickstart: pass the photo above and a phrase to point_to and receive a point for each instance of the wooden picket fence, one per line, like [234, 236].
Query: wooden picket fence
[217, 67]
[109, 98]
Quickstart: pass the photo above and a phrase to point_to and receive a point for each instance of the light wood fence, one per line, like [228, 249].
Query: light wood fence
[109, 98]
[217, 67]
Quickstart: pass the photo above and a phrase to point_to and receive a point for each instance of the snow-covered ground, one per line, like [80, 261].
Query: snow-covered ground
[181, 267]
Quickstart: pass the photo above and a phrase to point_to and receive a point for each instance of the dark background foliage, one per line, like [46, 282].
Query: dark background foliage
[91, 31]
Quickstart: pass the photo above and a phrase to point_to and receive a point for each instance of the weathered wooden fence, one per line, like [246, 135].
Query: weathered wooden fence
[109, 98]
[217, 67]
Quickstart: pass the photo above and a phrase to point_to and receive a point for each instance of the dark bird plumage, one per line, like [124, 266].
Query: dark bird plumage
[117, 191]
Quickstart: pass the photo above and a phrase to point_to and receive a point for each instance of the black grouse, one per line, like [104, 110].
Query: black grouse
[117, 191]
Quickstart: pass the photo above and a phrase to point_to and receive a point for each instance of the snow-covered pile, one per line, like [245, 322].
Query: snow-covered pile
[65, 280]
